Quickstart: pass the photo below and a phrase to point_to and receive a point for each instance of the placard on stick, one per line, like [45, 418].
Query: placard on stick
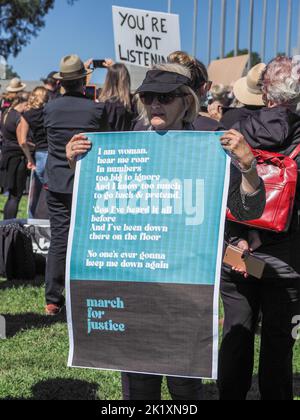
[145, 38]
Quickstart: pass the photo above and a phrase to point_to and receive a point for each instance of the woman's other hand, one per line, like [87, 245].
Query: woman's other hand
[244, 246]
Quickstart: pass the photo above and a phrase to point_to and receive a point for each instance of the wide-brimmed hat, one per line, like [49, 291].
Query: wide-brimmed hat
[16, 85]
[247, 90]
[160, 81]
[72, 68]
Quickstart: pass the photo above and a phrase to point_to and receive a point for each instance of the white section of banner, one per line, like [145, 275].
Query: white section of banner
[216, 312]
[68, 266]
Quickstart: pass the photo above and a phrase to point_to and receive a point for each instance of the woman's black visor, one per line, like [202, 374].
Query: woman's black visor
[159, 81]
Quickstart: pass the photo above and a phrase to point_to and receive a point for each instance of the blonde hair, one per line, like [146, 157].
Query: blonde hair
[21, 98]
[194, 108]
[117, 85]
[199, 74]
[38, 98]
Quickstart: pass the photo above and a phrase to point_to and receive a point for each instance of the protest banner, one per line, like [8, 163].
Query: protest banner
[145, 253]
[145, 38]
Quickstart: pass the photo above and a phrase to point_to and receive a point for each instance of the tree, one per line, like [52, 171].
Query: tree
[20, 20]
[10, 73]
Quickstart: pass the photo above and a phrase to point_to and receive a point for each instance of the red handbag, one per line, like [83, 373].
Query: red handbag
[280, 175]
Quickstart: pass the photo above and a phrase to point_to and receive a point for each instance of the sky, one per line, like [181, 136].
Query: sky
[86, 29]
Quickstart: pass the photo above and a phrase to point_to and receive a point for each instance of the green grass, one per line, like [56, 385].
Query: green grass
[33, 359]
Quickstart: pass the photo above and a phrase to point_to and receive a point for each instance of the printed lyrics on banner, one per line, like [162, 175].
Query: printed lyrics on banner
[121, 188]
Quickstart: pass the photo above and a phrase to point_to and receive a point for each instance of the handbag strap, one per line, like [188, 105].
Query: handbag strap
[295, 153]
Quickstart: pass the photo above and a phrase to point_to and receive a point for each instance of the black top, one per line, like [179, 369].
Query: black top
[53, 94]
[35, 120]
[9, 131]
[65, 117]
[207, 124]
[233, 115]
[273, 129]
[201, 124]
[118, 117]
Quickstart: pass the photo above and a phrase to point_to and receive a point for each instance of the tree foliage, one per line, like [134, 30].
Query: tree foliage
[11, 73]
[20, 20]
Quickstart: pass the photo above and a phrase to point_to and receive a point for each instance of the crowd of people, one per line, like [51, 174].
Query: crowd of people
[41, 132]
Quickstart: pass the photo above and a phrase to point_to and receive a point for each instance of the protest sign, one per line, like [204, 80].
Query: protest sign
[145, 38]
[145, 251]
[228, 70]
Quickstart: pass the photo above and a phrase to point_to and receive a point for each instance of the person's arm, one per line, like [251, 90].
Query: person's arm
[235, 143]
[22, 134]
[247, 195]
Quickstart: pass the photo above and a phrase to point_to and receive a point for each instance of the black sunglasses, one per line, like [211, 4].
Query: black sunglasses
[148, 98]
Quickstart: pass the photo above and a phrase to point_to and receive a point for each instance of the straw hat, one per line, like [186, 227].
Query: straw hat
[15, 86]
[72, 68]
[247, 90]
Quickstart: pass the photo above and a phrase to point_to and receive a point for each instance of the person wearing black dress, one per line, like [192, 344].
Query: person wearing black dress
[32, 123]
[13, 165]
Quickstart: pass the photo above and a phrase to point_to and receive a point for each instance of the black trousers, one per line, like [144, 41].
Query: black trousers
[59, 206]
[148, 388]
[244, 301]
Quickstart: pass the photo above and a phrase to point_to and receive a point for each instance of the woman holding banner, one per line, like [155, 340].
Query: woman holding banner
[168, 102]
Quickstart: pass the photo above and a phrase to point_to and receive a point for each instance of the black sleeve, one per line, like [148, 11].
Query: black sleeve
[245, 206]
[267, 130]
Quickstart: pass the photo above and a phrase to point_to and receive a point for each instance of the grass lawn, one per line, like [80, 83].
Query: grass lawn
[33, 359]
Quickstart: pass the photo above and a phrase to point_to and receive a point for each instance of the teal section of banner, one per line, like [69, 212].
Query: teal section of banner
[166, 233]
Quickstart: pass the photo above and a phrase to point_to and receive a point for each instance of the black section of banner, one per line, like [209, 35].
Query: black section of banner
[150, 328]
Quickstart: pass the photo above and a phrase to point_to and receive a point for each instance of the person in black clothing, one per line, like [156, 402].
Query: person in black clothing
[32, 122]
[52, 85]
[13, 161]
[117, 98]
[248, 94]
[169, 103]
[64, 117]
[277, 295]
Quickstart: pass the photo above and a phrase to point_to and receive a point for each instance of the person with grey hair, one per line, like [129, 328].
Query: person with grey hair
[275, 128]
